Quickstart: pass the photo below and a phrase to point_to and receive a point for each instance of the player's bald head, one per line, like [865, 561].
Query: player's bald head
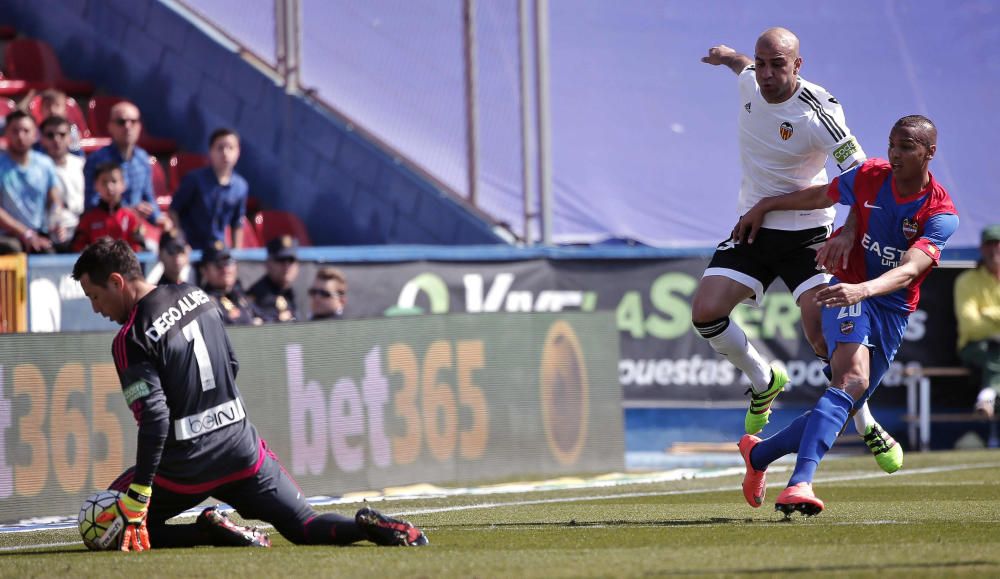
[779, 39]
[920, 128]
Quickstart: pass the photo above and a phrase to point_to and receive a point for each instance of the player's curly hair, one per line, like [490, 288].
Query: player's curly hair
[104, 257]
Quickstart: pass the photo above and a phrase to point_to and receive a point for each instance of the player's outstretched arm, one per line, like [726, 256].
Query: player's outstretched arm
[724, 55]
[814, 197]
[914, 263]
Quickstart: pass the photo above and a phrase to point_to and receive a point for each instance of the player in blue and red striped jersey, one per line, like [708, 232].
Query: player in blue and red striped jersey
[905, 217]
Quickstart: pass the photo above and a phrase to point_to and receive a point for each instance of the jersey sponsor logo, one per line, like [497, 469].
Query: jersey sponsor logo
[214, 418]
[845, 151]
[889, 255]
[847, 327]
[909, 227]
[747, 107]
[785, 130]
[173, 314]
[135, 391]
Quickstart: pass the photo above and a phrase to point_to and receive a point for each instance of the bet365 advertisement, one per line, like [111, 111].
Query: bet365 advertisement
[347, 405]
[662, 360]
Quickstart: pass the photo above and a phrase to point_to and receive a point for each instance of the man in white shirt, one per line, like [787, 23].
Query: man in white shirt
[56, 139]
[788, 128]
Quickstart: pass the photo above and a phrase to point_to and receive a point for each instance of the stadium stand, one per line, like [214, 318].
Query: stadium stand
[297, 156]
[161, 189]
[33, 61]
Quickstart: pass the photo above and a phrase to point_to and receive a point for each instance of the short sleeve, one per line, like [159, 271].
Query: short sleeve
[841, 190]
[938, 229]
[829, 128]
[747, 82]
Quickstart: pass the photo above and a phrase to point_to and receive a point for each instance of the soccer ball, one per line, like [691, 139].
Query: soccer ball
[100, 536]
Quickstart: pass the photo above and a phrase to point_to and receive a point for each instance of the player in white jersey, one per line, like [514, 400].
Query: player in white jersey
[788, 128]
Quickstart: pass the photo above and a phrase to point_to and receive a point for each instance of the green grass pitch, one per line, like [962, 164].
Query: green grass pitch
[938, 517]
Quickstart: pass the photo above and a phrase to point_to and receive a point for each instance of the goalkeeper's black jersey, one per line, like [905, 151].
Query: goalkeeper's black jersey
[178, 374]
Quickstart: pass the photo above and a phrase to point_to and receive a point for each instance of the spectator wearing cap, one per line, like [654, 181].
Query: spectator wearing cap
[218, 272]
[977, 308]
[212, 198]
[175, 259]
[125, 126]
[272, 294]
[328, 294]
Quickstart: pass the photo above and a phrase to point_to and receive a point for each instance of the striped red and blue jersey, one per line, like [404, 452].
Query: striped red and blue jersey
[889, 225]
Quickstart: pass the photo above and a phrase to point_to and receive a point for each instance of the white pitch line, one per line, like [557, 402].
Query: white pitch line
[841, 478]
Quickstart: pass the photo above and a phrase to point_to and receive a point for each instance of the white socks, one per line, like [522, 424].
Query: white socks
[863, 419]
[733, 344]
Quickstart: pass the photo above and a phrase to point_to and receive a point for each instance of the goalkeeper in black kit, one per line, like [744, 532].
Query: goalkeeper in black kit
[178, 375]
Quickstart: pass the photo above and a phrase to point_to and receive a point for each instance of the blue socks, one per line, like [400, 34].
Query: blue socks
[810, 435]
[786, 441]
[820, 432]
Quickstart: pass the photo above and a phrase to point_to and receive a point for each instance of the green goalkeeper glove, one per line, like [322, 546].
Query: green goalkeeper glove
[132, 506]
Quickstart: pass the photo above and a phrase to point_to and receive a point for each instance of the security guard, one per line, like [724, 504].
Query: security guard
[218, 274]
[272, 294]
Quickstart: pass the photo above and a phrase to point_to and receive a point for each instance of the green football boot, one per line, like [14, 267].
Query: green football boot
[888, 453]
[760, 404]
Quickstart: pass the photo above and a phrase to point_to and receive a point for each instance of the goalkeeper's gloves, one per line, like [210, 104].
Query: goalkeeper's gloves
[131, 506]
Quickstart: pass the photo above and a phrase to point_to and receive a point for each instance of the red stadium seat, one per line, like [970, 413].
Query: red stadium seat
[183, 163]
[7, 106]
[34, 62]
[99, 113]
[160, 189]
[7, 32]
[273, 223]
[250, 238]
[74, 114]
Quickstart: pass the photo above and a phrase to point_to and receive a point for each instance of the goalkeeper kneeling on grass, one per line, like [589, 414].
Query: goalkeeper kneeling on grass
[174, 359]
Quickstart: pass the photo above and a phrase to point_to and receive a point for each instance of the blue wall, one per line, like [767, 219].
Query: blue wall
[295, 156]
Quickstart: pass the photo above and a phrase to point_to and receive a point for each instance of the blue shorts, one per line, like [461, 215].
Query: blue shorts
[876, 327]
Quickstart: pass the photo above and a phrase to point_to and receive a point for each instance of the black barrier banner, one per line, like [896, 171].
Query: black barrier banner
[662, 360]
[346, 405]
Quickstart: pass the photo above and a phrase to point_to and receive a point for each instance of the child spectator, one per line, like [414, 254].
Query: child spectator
[109, 218]
[212, 198]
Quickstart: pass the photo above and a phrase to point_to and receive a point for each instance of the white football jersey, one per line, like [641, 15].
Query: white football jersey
[784, 148]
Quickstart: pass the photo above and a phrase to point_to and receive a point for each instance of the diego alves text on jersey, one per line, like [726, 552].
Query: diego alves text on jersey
[889, 225]
[178, 374]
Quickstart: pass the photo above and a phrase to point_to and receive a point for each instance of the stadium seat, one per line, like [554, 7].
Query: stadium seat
[273, 223]
[183, 163]
[161, 190]
[98, 114]
[7, 32]
[250, 239]
[7, 106]
[33, 61]
[74, 114]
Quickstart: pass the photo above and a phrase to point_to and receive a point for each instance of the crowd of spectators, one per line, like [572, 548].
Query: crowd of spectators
[54, 198]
